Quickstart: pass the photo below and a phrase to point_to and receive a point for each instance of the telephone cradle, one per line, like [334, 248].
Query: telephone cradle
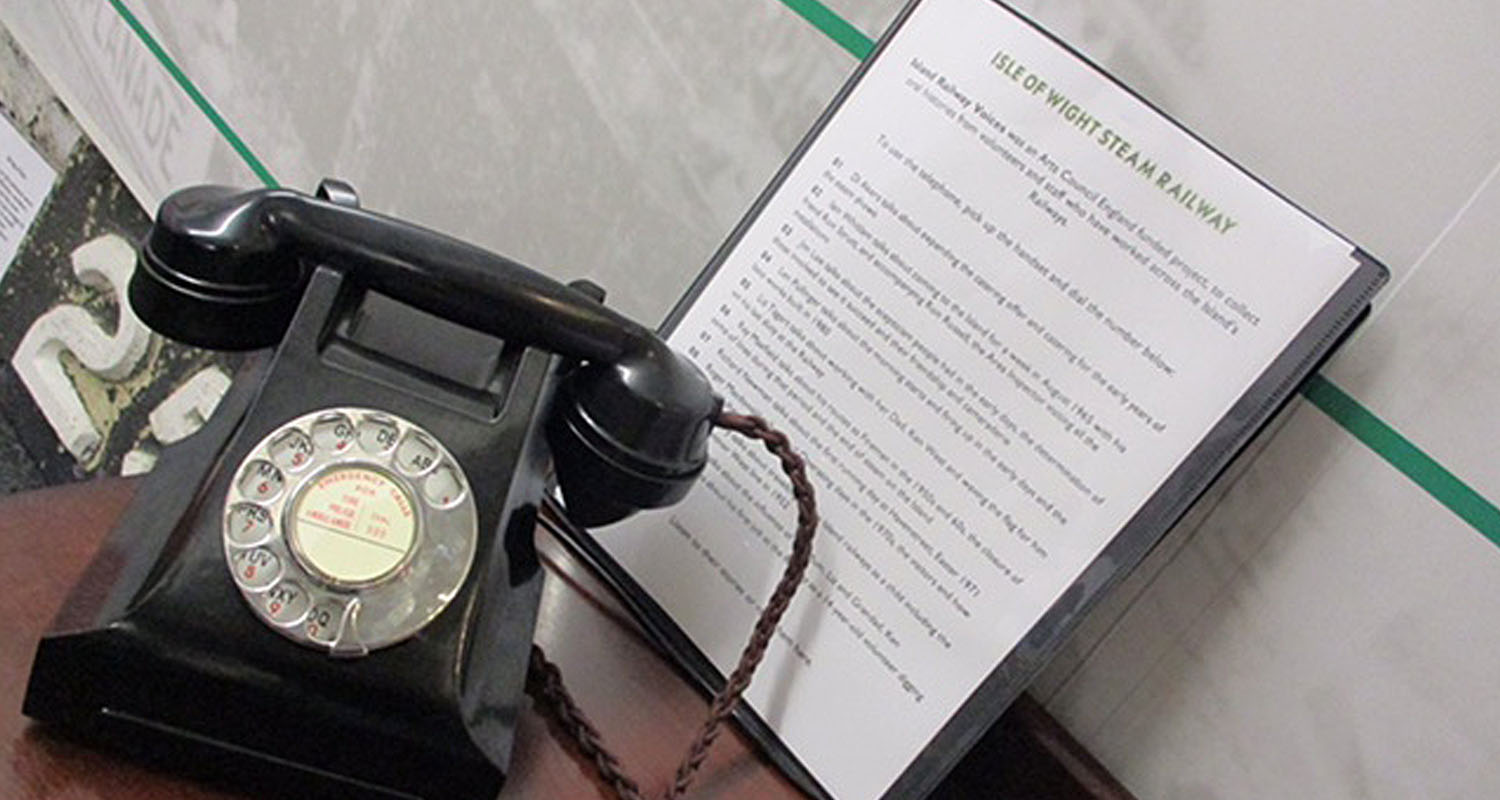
[330, 589]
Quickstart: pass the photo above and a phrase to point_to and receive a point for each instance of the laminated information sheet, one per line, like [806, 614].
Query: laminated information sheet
[25, 180]
[1017, 320]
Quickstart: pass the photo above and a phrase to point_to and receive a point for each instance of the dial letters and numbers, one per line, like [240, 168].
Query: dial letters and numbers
[349, 548]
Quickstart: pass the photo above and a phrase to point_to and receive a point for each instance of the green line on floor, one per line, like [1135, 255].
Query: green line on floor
[192, 91]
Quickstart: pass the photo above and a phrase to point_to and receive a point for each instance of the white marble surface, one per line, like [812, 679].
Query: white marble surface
[1431, 367]
[1323, 629]
[1327, 633]
[618, 141]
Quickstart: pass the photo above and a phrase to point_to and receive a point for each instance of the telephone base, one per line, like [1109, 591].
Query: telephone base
[103, 685]
[155, 653]
[331, 588]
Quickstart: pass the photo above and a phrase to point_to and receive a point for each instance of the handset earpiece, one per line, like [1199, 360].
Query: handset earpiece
[214, 271]
[212, 275]
[630, 434]
[225, 269]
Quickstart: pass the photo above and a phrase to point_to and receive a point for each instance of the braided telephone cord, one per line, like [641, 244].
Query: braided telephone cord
[544, 681]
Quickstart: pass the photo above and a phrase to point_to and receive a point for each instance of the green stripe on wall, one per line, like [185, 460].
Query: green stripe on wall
[192, 91]
[833, 26]
[1407, 458]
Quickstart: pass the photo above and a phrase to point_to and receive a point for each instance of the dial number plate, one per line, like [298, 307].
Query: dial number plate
[349, 529]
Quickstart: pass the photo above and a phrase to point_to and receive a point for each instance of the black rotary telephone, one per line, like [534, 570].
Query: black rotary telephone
[331, 588]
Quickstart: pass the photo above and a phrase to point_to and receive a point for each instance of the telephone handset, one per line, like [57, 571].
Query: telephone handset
[367, 491]
[226, 269]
